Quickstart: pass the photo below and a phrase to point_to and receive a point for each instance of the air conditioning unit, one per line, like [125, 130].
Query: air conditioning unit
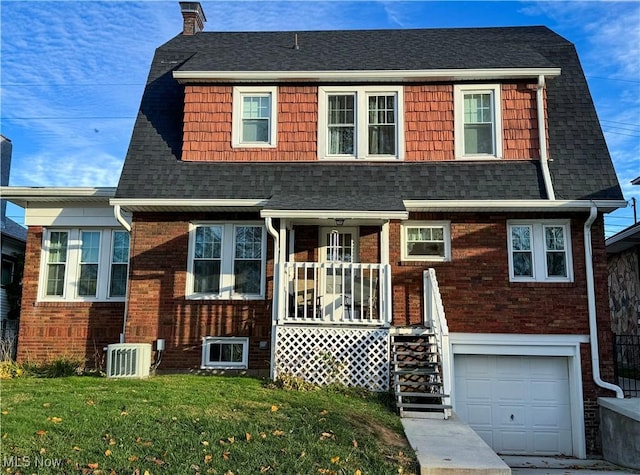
[128, 360]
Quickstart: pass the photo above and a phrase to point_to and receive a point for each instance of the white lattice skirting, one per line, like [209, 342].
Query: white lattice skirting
[324, 355]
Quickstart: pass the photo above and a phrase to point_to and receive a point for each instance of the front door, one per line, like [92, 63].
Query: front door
[339, 245]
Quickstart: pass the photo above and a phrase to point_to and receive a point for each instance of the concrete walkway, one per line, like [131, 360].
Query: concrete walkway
[451, 447]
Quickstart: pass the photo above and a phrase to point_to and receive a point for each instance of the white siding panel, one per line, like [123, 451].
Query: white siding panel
[76, 216]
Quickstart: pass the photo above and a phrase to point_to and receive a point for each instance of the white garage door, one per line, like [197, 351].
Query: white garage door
[517, 404]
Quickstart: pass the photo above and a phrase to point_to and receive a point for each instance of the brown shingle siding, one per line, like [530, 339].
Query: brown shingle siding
[520, 122]
[208, 123]
[428, 124]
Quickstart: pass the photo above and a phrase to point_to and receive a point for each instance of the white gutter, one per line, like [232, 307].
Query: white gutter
[512, 205]
[141, 204]
[542, 139]
[591, 300]
[366, 75]
[276, 288]
[333, 214]
[117, 212]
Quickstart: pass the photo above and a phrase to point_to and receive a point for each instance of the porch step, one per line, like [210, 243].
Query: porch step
[412, 343]
[423, 395]
[404, 405]
[418, 371]
[415, 353]
[419, 383]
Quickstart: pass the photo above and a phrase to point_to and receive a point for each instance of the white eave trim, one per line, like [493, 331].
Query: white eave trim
[365, 75]
[333, 214]
[513, 205]
[23, 195]
[151, 204]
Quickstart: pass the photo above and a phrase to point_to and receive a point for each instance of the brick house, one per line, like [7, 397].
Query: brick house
[395, 209]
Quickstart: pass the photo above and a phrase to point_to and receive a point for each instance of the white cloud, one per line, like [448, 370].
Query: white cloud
[77, 169]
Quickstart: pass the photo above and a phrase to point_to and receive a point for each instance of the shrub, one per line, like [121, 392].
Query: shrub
[60, 367]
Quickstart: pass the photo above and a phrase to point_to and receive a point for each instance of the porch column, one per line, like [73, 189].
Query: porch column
[282, 278]
[384, 243]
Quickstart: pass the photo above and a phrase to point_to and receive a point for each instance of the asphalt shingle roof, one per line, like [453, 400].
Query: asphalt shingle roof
[581, 167]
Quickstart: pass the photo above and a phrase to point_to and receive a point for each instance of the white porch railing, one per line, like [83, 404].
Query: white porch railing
[337, 293]
[435, 319]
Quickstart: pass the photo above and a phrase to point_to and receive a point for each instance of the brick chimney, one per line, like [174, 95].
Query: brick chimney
[193, 16]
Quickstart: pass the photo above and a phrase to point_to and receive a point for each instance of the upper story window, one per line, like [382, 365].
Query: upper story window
[362, 122]
[540, 251]
[478, 121]
[255, 116]
[226, 261]
[426, 241]
[84, 264]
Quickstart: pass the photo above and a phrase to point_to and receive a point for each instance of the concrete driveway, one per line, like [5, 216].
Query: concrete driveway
[562, 466]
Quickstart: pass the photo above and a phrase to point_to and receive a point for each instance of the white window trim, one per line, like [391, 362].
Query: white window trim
[361, 145]
[539, 252]
[445, 225]
[227, 262]
[236, 128]
[459, 91]
[72, 266]
[208, 340]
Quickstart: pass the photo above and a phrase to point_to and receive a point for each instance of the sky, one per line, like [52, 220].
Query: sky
[73, 72]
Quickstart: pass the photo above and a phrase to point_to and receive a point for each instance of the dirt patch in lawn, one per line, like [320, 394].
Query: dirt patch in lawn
[385, 435]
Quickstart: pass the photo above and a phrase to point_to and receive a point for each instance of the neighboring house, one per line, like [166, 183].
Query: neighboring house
[623, 260]
[13, 238]
[342, 205]
[623, 257]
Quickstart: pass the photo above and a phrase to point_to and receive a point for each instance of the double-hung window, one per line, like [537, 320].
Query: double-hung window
[84, 264]
[426, 241]
[254, 116]
[360, 122]
[478, 121]
[226, 260]
[540, 251]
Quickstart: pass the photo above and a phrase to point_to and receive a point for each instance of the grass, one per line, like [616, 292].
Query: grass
[186, 424]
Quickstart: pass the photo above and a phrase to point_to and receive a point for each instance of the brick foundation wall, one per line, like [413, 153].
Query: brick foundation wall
[53, 329]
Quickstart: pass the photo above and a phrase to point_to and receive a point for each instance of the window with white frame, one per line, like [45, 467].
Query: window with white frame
[426, 241]
[478, 121]
[84, 264]
[360, 122]
[540, 251]
[255, 116]
[225, 352]
[226, 260]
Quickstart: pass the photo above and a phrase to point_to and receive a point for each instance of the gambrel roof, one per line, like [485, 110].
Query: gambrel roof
[581, 168]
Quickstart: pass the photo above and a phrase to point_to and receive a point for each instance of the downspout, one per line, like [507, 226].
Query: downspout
[117, 212]
[542, 139]
[591, 300]
[268, 221]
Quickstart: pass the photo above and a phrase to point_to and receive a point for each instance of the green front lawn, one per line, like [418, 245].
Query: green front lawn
[185, 424]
